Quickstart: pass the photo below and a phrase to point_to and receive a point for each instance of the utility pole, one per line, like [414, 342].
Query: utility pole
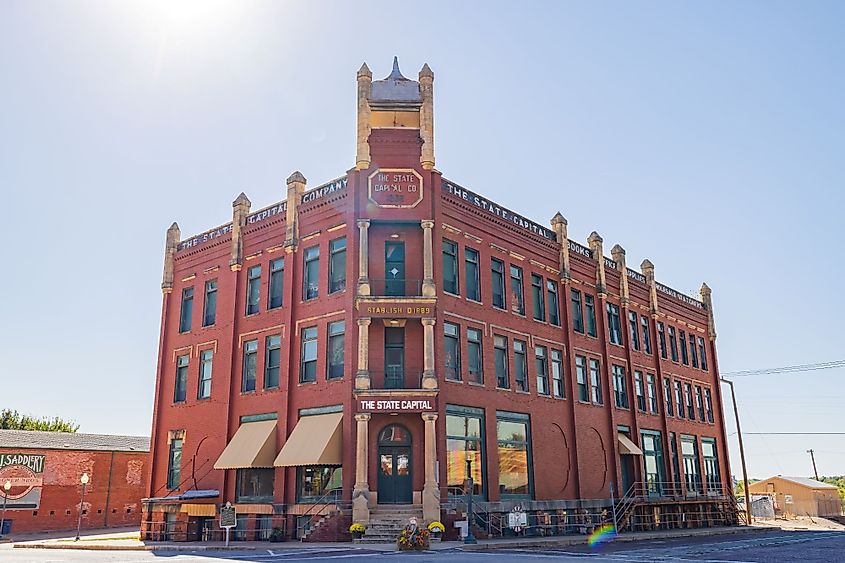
[741, 455]
[813, 457]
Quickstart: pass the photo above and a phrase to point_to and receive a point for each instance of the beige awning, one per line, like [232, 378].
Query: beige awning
[253, 445]
[626, 446]
[315, 440]
[199, 509]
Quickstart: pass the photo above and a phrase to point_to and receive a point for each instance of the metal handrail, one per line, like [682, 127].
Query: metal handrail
[320, 503]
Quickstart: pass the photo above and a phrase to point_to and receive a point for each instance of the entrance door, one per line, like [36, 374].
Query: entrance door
[394, 268]
[394, 358]
[627, 472]
[394, 472]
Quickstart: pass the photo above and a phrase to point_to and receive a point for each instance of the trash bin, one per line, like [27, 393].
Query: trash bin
[7, 528]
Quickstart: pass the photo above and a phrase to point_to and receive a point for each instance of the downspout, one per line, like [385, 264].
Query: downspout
[108, 492]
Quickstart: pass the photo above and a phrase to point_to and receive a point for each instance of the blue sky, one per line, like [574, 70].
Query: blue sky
[706, 137]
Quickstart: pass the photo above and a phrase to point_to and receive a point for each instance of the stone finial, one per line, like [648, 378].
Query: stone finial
[296, 177]
[646, 266]
[707, 299]
[594, 238]
[241, 200]
[365, 72]
[617, 251]
[171, 244]
[559, 219]
[705, 289]
[395, 73]
[427, 118]
[240, 210]
[426, 72]
[595, 242]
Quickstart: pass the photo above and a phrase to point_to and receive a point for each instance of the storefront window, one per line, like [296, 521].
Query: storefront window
[464, 441]
[255, 485]
[652, 461]
[316, 482]
[692, 475]
[512, 432]
[711, 466]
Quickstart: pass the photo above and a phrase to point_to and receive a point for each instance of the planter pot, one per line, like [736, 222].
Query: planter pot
[357, 535]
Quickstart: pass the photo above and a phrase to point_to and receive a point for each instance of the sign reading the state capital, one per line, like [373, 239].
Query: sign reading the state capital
[405, 404]
[395, 187]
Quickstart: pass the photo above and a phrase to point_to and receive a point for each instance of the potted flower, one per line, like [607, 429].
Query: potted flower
[357, 530]
[436, 528]
[277, 535]
[413, 539]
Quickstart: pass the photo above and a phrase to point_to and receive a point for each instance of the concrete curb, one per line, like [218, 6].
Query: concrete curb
[494, 545]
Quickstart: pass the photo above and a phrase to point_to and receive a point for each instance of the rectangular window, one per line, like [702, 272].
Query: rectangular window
[646, 334]
[667, 396]
[520, 365]
[692, 474]
[204, 386]
[209, 307]
[517, 295]
[652, 461]
[318, 483]
[337, 265]
[577, 314]
[557, 374]
[708, 401]
[639, 389]
[711, 466]
[537, 297]
[699, 403]
[500, 350]
[620, 387]
[473, 280]
[476, 356]
[464, 441]
[277, 283]
[651, 391]
[702, 352]
[679, 399]
[272, 361]
[311, 273]
[673, 344]
[180, 390]
[452, 350]
[676, 467]
[542, 367]
[450, 267]
[692, 351]
[595, 382]
[174, 464]
[581, 378]
[661, 337]
[682, 338]
[187, 309]
[308, 355]
[248, 374]
[513, 441]
[254, 484]
[497, 275]
[614, 324]
[335, 350]
[688, 401]
[635, 330]
[554, 305]
[590, 314]
[253, 289]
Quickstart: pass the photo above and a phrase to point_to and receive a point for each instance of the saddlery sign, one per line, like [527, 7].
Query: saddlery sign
[24, 473]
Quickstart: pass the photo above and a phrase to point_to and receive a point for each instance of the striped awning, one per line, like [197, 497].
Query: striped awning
[253, 445]
[315, 440]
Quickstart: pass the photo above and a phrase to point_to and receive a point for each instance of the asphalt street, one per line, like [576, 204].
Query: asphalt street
[765, 547]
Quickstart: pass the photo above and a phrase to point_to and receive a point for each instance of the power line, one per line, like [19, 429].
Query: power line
[787, 369]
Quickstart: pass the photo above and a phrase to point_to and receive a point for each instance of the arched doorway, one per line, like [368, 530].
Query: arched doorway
[394, 470]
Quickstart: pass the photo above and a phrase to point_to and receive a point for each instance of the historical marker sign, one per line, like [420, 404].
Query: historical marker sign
[228, 516]
[395, 187]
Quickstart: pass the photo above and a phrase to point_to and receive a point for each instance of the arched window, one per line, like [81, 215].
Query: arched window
[394, 435]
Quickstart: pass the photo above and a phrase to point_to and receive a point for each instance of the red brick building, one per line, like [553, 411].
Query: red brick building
[353, 345]
[43, 471]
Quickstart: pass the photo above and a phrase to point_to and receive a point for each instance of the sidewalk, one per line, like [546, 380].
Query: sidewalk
[116, 540]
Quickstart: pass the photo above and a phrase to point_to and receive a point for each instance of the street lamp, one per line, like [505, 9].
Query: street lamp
[84, 480]
[741, 456]
[6, 486]
[469, 538]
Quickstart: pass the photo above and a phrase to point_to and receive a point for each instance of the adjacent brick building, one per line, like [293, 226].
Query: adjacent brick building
[43, 471]
[355, 344]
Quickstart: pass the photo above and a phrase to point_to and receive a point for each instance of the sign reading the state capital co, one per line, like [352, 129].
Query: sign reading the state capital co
[405, 404]
[395, 187]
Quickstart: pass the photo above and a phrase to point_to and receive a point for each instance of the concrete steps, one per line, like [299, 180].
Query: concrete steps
[386, 522]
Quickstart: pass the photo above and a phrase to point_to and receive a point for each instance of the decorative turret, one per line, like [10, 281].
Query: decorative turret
[595, 243]
[365, 80]
[647, 269]
[618, 254]
[240, 210]
[296, 187]
[559, 226]
[707, 299]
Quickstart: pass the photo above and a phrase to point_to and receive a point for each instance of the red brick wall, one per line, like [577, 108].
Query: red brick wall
[112, 497]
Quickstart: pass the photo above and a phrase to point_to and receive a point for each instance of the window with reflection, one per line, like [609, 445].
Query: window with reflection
[316, 482]
[464, 441]
[513, 441]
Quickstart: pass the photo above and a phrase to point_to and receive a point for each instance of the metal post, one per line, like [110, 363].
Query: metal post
[84, 481]
[6, 488]
[469, 539]
[613, 508]
[741, 456]
[813, 457]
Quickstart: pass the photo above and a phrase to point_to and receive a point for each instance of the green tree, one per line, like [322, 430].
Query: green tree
[837, 481]
[13, 420]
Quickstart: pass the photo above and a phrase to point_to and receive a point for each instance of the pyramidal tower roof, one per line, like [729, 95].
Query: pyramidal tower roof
[395, 90]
